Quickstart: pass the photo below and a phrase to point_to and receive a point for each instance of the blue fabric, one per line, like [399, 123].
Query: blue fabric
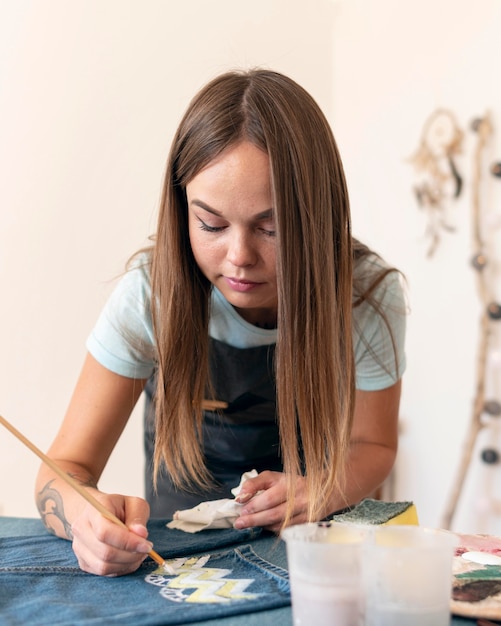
[41, 583]
[33, 529]
[20, 527]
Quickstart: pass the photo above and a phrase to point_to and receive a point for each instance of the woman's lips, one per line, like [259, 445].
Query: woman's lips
[241, 285]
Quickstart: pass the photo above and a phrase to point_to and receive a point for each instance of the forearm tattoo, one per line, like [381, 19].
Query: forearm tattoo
[51, 507]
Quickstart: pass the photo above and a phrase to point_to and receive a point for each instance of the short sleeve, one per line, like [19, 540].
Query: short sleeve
[122, 339]
[379, 339]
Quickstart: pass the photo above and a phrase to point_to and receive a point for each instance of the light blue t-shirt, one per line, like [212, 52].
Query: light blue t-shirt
[123, 341]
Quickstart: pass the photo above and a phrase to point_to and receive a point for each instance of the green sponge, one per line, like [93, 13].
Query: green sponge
[376, 512]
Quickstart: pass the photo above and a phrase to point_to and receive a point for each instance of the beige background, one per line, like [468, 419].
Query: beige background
[90, 94]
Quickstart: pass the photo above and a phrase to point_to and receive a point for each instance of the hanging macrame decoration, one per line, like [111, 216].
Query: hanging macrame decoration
[439, 181]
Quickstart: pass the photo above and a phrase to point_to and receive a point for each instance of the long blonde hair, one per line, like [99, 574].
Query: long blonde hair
[314, 361]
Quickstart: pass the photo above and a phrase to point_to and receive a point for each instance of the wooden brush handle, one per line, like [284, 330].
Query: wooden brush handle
[73, 483]
[213, 405]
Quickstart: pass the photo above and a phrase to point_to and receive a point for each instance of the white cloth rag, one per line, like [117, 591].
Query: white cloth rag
[211, 514]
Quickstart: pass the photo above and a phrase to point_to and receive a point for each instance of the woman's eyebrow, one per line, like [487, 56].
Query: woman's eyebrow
[264, 215]
[206, 207]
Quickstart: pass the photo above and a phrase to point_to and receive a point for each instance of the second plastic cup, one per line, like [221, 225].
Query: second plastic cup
[408, 576]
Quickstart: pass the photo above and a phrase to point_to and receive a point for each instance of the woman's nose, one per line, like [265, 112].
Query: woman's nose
[241, 251]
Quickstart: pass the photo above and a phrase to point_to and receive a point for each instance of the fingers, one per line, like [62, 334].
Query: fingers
[261, 482]
[106, 549]
[270, 518]
[136, 515]
[268, 507]
[110, 553]
[242, 498]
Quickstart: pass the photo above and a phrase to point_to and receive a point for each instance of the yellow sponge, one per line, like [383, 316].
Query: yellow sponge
[377, 512]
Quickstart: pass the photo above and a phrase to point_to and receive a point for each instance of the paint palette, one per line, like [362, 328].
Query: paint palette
[476, 589]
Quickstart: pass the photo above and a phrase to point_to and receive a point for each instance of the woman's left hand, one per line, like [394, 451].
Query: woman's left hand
[265, 502]
[373, 447]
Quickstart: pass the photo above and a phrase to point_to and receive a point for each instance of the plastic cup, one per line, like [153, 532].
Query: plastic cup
[324, 562]
[408, 576]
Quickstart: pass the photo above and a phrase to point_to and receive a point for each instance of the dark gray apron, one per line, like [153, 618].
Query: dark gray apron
[242, 437]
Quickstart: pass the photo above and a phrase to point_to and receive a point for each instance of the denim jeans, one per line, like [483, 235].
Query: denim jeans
[217, 575]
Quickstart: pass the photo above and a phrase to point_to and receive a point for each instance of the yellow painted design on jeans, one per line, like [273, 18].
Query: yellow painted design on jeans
[195, 583]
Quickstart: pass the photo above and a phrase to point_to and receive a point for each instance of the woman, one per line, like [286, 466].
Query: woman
[254, 293]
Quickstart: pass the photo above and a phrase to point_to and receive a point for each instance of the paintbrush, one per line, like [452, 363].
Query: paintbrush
[77, 487]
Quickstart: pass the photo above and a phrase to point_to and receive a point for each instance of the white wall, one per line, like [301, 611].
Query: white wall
[90, 94]
[395, 62]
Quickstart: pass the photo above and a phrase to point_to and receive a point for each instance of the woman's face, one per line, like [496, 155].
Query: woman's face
[232, 230]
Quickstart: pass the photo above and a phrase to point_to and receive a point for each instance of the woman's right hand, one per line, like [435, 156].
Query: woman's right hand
[103, 547]
[98, 412]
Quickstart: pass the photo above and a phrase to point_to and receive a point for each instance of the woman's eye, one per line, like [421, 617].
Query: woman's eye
[209, 229]
[267, 227]
[269, 232]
